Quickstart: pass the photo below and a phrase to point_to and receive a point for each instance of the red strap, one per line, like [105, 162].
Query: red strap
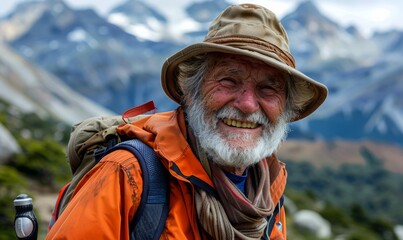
[141, 109]
[55, 212]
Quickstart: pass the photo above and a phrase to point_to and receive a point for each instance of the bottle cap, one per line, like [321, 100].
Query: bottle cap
[22, 200]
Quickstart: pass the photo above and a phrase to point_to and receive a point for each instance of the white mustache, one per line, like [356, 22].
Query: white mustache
[232, 113]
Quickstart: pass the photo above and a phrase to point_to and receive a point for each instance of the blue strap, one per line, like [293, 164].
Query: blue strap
[152, 212]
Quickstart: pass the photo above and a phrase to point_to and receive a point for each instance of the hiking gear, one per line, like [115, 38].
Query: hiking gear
[25, 222]
[151, 215]
[253, 31]
[153, 209]
[117, 182]
[92, 135]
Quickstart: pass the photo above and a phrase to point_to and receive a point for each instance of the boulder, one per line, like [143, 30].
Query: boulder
[8, 145]
[312, 222]
[399, 232]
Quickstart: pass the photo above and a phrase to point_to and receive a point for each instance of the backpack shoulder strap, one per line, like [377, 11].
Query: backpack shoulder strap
[151, 215]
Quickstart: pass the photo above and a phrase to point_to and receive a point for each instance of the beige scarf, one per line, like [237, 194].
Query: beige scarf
[234, 215]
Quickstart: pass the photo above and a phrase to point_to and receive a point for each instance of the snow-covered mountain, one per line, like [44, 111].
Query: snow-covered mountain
[93, 56]
[115, 60]
[316, 40]
[139, 19]
[184, 21]
[364, 76]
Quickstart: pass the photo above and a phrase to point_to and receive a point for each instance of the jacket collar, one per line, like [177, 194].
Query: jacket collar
[166, 133]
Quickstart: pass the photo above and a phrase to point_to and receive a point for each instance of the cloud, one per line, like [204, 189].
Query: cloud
[367, 15]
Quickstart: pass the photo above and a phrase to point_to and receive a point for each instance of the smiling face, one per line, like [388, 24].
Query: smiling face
[238, 115]
[247, 85]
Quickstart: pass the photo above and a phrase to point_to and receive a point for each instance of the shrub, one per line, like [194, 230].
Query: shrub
[11, 185]
[43, 161]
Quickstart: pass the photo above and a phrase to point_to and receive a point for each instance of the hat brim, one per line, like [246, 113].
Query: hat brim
[171, 88]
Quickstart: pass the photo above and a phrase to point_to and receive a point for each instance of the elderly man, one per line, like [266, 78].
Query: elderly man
[238, 90]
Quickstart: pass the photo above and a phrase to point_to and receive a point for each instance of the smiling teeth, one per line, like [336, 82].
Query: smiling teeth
[238, 124]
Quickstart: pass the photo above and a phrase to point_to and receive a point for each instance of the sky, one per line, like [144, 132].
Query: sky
[367, 15]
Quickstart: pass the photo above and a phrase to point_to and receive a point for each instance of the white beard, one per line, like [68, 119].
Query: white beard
[218, 147]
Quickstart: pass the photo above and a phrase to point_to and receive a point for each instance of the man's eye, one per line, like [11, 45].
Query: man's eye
[228, 82]
[267, 89]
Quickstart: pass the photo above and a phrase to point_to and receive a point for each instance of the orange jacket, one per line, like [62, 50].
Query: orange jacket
[106, 199]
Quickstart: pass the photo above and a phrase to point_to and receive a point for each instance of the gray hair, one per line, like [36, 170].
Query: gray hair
[191, 75]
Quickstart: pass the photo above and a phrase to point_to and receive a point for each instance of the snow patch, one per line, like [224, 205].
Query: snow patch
[77, 35]
[386, 110]
[151, 30]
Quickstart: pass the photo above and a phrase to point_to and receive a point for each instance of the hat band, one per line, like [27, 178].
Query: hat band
[254, 44]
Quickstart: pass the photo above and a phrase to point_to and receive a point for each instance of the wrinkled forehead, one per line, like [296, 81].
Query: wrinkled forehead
[239, 64]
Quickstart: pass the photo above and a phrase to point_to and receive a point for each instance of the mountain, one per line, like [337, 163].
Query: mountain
[29, 89]
[389, 42]
[319, 41]
[139, 19]
[116, 60]
[8, 145]
[94, 57]
[364, 77]
[33, 90]
[202, 13]
[185, 24]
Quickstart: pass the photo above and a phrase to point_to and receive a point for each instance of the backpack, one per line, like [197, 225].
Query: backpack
[95, 137]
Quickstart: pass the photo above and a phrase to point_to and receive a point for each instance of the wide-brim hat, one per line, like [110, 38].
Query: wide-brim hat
[253, 31]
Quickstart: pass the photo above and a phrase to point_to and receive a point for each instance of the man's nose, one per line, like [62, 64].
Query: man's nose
[247, 101]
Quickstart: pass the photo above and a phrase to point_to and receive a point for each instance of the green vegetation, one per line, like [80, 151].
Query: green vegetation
[12, 183]
[39, 153]
[41, 163]
[360, 201]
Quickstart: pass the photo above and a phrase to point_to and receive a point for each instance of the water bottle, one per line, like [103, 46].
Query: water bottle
[25, 223]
